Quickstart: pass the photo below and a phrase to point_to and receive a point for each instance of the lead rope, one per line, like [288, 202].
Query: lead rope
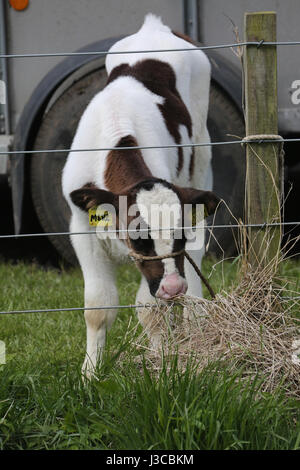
[138, 257]
[202, 277]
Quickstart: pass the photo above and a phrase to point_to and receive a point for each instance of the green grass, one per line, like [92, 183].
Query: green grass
[45, 405]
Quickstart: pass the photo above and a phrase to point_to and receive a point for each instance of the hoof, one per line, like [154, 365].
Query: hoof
[88, 371]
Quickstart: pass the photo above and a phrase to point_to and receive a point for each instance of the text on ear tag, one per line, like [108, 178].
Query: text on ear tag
[100, 217]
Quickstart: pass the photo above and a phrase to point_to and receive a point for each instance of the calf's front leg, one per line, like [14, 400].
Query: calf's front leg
[98, 321]
[99, 290]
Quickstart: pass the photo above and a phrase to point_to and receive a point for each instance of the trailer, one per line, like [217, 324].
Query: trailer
[43, 95]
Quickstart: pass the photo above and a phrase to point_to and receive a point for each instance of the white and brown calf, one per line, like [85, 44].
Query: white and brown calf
[151, 99]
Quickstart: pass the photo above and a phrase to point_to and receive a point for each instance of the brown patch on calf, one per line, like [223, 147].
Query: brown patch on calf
[152, 270]
[197, 196]
[192, 164]
[159, 78]
[192, 160]
[125, 167]
[184, 37]
[89, 195]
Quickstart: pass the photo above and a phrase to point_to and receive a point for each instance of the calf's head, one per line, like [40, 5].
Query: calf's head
[154, 206]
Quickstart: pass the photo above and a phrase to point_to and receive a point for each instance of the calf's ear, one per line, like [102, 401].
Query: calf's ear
[91, 196]
[197, 196]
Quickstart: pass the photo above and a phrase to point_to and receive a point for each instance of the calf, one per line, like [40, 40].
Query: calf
[151, 99]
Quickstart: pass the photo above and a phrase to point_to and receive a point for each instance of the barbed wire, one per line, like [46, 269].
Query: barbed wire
[149, 51]
[149, 147]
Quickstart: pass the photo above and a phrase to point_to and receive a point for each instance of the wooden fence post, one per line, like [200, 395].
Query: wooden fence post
[263, 178]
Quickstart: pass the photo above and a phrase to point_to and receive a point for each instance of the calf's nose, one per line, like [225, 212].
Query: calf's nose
[171, 286]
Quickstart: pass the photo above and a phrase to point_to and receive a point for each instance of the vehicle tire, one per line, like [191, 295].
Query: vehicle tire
[56, 131]
[225, 122]
[58, 128]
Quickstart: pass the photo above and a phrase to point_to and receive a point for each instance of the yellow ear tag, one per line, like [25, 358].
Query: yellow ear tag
[100, 217]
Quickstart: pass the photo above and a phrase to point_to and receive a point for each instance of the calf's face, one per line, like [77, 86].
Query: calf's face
[160, 214]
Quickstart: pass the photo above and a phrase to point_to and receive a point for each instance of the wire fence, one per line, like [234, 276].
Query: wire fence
[149, 51]
[190, 145]
[148, 147]
[100, 307]
[162, 229]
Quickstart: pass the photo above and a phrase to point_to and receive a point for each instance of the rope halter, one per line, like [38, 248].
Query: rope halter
[139, 257]
[136, 257]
